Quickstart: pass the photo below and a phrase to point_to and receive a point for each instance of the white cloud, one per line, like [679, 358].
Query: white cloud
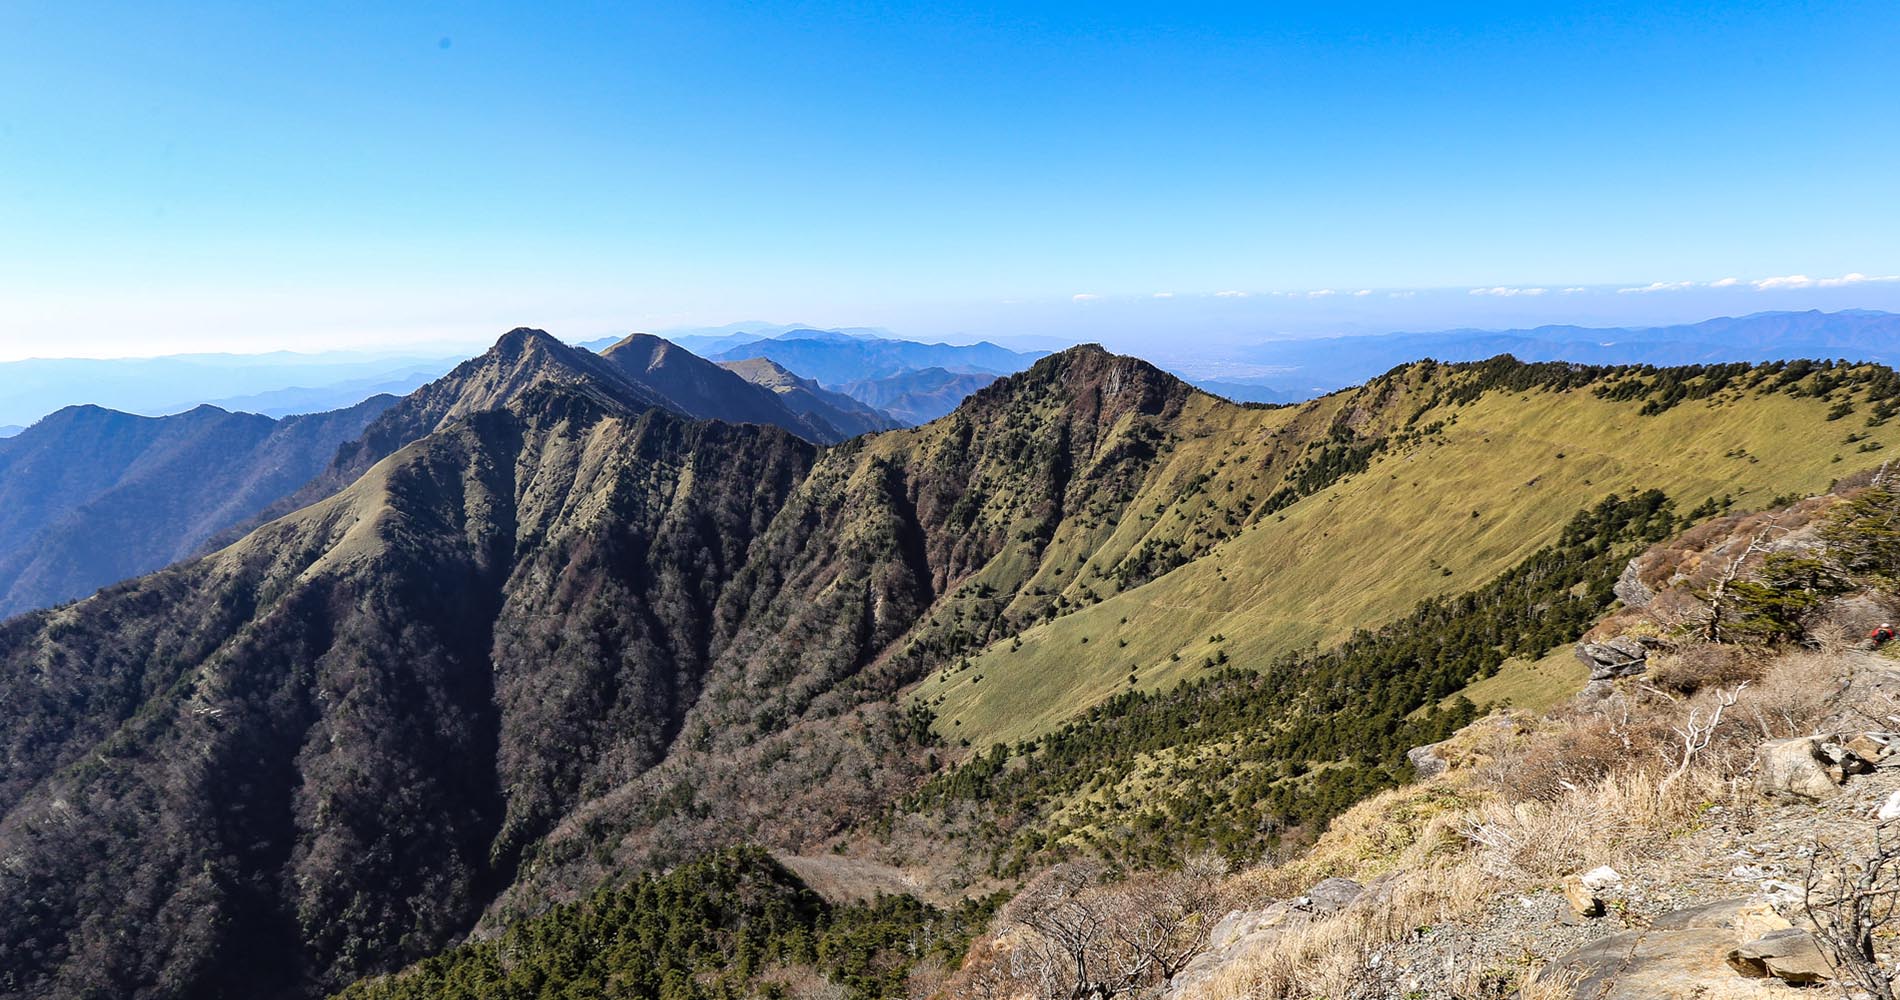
[1321, 293]
[1400, 295]
[1573, 290]
[1164, 295]
[1362, 293]
[1725, 283]
[1504, 292]
[1803, 281]
[1084, 297]
[1230, 294]
[1657, 286]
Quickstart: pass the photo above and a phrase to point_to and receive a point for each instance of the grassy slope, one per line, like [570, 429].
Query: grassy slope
[1369, 548]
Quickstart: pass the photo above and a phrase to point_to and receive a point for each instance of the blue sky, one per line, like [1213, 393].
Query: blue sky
[258, 175]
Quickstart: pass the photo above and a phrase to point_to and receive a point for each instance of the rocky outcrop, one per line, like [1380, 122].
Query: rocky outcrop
[1789, 954]
[1244, 933]
[1621, 656]
[1612, 658]
[1630, 588]
[1698, 952]
[1427, 761]
[1583, 892]
[1807, 768]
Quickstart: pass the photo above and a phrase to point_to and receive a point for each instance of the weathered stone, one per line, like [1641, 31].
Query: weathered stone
[1795, 768]
[1659, 965]
[1758, 920]
[1235, 938]
[1719, 915]
[1583, 902]
[1845, 760]
[1869, 747]
[1427, 762]
[1330, 895]
[1618, 657]
[1630, 588]
[1790, 955]
[1600, 878]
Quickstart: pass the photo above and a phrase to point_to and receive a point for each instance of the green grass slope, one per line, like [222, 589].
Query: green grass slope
[1434, 513]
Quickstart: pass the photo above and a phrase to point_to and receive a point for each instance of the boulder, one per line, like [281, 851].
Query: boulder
[1790, 955]
[1600, 878]
[1243, 934]
[1758, 920]
[1630, 588]
[1427, 762]
[1659, 965]
[1330, 895]
[1842, 758]
[1612, 658]
[1796, 768]
[1235, 938]
[1871, 747]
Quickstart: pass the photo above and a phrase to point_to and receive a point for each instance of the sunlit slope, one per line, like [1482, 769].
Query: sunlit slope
[1441, 512]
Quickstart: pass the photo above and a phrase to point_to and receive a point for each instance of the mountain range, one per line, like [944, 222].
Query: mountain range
[89, 495]
[540, 626]
[93, 496]
[276, 384]
[918, 396]
[1308, 366]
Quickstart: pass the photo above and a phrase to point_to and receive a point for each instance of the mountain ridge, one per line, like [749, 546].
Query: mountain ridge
[573, 637]
[90, 496]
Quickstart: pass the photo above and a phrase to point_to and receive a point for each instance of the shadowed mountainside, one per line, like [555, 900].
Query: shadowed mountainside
[717, 392]
[842, 416]
[918, 397]
[90, 496]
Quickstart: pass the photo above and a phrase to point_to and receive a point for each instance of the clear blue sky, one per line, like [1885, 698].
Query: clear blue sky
[266, 175]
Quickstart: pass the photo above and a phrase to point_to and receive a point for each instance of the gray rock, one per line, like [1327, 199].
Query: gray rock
[1800, 768]
[1659, 965]
[1618, 657]
[1630, 588]
[1427, 761]
[1790, 955]
[1331, 895]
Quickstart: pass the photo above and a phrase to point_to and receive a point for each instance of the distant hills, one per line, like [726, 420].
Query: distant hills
[844, 416]
[920, 396]
[1315, 365]
[835, 359]
[89, 495]
[275, 384]
[10, 429]
[911, 381]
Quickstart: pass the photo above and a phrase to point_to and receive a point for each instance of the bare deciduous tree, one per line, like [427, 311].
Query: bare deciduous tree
[1716, 598]
[1850, 898]
[1698, 731]
[1082, 939]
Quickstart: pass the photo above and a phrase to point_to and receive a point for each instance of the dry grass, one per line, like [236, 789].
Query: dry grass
[1521, 808]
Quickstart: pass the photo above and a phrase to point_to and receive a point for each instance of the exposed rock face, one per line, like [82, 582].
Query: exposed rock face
[1804, 767]
[1612, 658]
[1630, 588]
[1243, 933]
[1790, 955]
[1427, 762]
[1681, 955]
